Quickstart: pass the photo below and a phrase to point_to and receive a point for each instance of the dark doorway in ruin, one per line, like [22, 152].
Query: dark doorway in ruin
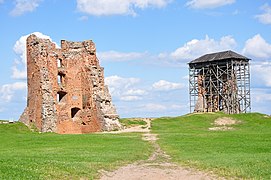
[74, 111]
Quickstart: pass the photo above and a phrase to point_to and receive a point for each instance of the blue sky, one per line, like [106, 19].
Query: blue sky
[144, 45]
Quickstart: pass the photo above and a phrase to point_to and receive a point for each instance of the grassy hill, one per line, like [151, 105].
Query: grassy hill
[31, 155]
[241, 150]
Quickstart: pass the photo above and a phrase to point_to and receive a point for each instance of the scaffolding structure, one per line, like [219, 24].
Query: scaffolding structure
[220, 82]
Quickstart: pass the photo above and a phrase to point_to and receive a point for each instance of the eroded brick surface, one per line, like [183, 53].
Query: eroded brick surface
[66, 90]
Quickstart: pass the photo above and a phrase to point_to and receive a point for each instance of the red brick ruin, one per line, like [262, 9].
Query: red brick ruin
[66, 90]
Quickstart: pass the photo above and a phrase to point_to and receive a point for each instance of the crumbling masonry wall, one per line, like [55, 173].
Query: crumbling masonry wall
[66, 90]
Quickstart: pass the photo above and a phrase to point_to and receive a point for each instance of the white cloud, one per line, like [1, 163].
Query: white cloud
[161, 108]
[186, 77]
[196, 48]
[257, 47]
[7, 91]
[119, 56]
[117, 7]
[236, 12]
[189, 51]
[163, 85]
[20, 49]
[203, 4]
[130, 98]
[177, 106]
[20, 45]
[261, 99]
[120, 82]
[135, 92]
[261, 73]
[124, 88]
[260, 95]
[145, 99]
[23, 6]
[154, 107]
[83, 18]
[18, 74]
[265, 17]
[2, 109]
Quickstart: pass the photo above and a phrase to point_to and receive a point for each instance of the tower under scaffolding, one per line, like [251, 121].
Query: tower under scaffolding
[220, 82]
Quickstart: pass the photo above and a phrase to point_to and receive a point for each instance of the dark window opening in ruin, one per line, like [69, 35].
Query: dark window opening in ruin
[61, 96]
[74, 111]
[107, 102]
[60, 79]
[59, 63]
[83, 123]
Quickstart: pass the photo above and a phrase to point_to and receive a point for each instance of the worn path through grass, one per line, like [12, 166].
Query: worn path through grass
[157, 166]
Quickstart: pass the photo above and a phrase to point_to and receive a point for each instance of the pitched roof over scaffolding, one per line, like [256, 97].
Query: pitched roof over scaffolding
[219, 56]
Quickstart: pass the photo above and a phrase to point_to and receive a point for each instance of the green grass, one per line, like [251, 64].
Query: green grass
[130, 122]
[241, 153]
[244, 152]
[31, 155]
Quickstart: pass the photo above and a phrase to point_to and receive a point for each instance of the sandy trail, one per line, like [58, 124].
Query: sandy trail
[157, 167]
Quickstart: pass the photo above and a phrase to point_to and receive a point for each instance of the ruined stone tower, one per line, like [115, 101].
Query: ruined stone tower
[66, 90]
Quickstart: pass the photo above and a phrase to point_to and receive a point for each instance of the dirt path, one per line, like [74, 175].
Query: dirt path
[157, 167]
